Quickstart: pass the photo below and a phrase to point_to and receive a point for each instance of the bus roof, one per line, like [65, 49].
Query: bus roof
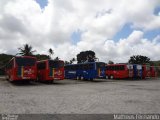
[84, 63]
[49, 60]
[24, 57]
[117, 64]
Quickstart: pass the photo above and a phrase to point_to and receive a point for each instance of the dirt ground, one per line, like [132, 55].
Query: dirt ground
[77, 96]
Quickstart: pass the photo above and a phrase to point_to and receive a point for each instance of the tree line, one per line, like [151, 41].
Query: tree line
[82, 57]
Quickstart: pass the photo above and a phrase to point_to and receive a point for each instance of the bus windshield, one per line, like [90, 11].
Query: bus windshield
[56, 64]
[25, 61]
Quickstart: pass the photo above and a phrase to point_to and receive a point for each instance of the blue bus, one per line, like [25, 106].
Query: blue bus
[137, 71]
[88, 71]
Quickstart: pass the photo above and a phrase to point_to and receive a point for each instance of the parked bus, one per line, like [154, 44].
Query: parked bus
[89, 70]
[49, 70]
[146, 71]
[119, 71]
[21, 68]
[137, 71]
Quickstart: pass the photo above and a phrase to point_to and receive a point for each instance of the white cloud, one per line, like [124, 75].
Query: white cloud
[24, 22]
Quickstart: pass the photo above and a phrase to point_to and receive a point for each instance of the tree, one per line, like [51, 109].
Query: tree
[42, 57]
[4, 59]
[26, 50]
[86, 56]
[51, 52]
[110, 62]
[72, 60]
[139, 59]
[66, 63]
[57, 58]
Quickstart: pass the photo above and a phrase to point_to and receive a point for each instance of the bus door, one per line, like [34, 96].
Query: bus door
[101, 70]
[148, 71]
[134, 71]
[130, 71]
[139, 71]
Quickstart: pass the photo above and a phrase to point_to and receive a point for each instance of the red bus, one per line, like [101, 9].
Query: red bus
[145, 71]
[49, 70]
[119, 71]
[22, 68]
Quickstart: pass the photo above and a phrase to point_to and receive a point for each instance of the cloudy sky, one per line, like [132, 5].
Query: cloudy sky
[114, 29]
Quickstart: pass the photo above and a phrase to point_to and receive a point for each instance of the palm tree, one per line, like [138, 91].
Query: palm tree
[26, 50]
[72, 60]
[51, 52]
[57, 58]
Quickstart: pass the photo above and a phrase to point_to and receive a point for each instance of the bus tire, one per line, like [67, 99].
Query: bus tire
[37, 79]
[77, 78]
[111, 77]
[7, 77]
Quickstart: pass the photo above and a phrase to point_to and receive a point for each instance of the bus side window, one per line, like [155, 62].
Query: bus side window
[112, 68]
[116, 68]
[121, 67]
[41, 65]
[85, 66]
[72, 67]
[67, 67]
[79, 67]
[90, 66]
[76, 67]
[106, 67]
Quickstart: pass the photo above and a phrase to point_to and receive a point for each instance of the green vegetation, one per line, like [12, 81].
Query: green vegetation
[51, 52]
[86, 56]
[155, 63]
[139, 59]
[110, 62]
[26, 50]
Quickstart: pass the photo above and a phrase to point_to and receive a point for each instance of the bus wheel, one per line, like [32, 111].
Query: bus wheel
[7, 77]
[37, 79]
[109, 77]
[52, 81]
[112, 77]
[77, 78]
